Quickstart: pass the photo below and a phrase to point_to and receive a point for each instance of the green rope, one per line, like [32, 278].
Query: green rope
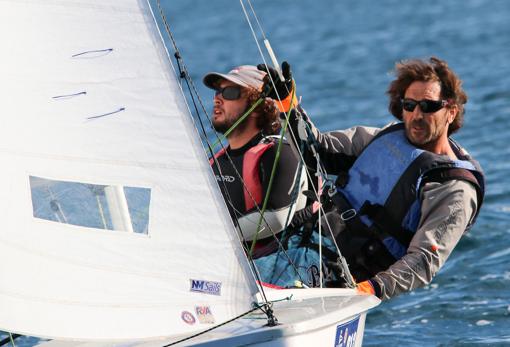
[246, 114]
[273, 172]
[12, 340]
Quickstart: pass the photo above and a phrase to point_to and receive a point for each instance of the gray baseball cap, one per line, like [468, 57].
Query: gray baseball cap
[244, 76]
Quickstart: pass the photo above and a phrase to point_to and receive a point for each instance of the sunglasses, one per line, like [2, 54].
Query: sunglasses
[229, 92]
[426, 106]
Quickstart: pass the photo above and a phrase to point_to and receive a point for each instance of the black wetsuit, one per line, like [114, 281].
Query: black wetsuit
[232, 187]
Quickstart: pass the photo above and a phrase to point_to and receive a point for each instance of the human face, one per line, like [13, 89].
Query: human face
[427, 130]
[227, 112]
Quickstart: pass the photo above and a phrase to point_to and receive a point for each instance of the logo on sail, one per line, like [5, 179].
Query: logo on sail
[206, 287]
[187, 317]
[204, 314]
[346, 334]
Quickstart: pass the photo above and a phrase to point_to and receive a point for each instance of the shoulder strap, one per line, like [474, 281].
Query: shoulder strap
[389, 129]
[450, 174]
[217, 155]
[382, 218]
[458, 174]
[251, 174]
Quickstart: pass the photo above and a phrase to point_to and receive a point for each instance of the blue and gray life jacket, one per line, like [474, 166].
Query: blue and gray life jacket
[380, 197]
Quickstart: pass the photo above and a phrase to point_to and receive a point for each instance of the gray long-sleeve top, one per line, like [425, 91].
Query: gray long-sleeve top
[446, 211]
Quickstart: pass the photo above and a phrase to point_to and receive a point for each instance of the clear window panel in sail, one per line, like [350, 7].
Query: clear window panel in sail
[109, 207]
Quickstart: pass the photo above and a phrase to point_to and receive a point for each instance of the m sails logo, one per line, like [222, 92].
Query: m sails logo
[346, 334]
[206, 287]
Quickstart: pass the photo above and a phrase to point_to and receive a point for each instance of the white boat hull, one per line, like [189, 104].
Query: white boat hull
[309, 317]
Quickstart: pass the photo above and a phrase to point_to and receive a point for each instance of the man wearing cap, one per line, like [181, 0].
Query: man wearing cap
[243, 169]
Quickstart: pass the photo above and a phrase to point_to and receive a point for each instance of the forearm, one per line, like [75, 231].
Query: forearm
[447, 209]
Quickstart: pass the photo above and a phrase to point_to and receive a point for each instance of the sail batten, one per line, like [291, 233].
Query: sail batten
[91, 103]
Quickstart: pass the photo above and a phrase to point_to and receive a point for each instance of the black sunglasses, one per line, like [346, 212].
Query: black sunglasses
[426, 106]
[229, 92]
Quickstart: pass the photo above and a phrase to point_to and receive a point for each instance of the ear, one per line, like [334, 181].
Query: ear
[452, 113]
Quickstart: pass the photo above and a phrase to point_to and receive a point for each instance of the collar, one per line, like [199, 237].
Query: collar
[253, 142]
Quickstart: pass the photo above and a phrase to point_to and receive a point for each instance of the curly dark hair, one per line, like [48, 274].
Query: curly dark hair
[433, 70]
[268, 119]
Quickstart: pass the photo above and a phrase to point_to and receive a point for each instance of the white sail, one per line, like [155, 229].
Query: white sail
[90, 104]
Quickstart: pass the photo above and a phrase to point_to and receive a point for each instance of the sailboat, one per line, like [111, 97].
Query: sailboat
[113, 229]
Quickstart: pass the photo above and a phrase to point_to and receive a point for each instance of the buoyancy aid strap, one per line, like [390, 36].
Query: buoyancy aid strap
[457, 174]
[385, 223]
[450, 174]
[385, 220]
[388, 218]
[217, 155]
[351, 217]
[253, 192]
[367, 255]
[389, 129]
[400, 199]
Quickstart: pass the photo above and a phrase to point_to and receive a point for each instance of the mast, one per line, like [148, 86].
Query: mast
[118, 207]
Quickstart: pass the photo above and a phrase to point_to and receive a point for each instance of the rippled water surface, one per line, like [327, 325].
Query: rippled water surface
[342, 53]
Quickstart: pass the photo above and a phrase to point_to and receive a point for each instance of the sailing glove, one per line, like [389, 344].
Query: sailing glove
[281, 89]
[365, 287]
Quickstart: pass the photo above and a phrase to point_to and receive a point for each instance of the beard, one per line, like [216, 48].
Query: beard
[421, 133]
[222, 126]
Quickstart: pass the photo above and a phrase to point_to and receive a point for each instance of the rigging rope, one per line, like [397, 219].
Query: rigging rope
[193, 91]
[237, 122]
[270, 184]
[266, 308]
[10, 339]
[273, 171]
[320, 168]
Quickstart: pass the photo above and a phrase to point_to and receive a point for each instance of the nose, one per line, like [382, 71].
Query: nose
[417, 112]
[217, 100]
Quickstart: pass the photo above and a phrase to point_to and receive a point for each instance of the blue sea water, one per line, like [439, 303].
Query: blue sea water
[342, 53]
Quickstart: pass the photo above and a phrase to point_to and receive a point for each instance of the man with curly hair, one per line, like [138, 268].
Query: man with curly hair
[243, 169]
[405, 193]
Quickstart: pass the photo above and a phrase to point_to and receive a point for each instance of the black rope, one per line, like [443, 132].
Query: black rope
[9, 339]
[190, 83]
[184, 75]
[183, 72]
[264, 308]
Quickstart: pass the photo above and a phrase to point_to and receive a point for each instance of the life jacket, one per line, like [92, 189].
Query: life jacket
[253, 192]
[275, 220]
[380, 200]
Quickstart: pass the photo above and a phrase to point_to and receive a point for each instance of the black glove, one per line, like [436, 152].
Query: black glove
[283, 88]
